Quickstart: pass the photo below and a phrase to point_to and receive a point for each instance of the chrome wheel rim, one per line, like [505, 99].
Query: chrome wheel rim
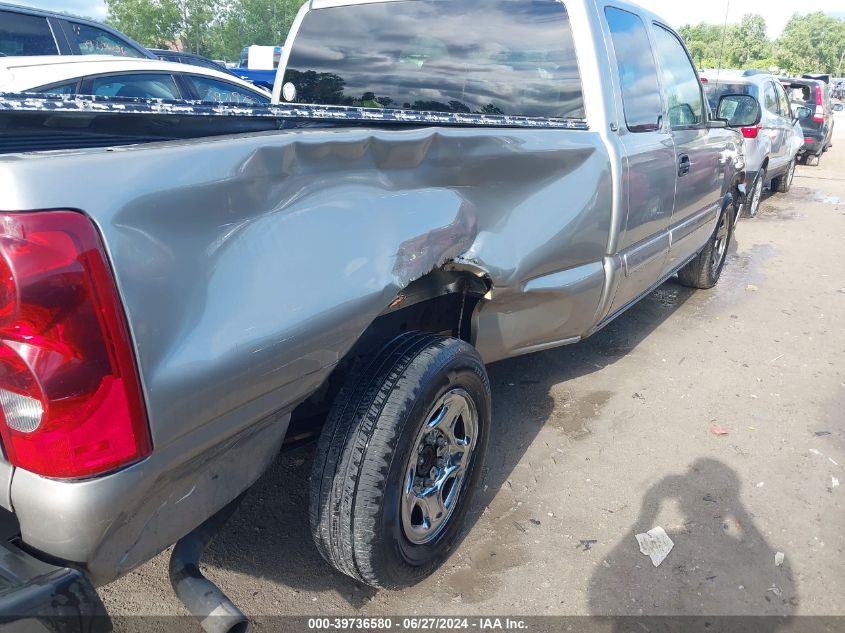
[720, 242]
[755, 196]
[437, 467]
[791, 174]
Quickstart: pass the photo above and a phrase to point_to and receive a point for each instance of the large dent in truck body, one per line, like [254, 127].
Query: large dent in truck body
[249, 266]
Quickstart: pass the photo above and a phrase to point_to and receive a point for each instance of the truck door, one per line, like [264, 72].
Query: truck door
[648, 187]
[698, 174]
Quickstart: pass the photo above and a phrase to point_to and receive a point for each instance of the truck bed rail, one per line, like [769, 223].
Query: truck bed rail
[38, 122]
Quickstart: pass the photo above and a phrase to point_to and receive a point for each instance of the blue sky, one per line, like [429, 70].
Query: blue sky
[677, 12]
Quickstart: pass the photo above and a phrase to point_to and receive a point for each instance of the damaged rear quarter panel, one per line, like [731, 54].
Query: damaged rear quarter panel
[248, 266]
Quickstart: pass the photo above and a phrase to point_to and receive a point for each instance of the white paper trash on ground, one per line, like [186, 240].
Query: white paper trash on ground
[779, 557]
[655, 544]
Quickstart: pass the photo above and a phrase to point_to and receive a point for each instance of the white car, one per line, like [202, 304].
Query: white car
[771, 143]
[121, 77]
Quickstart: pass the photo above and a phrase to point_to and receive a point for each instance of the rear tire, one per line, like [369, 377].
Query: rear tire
[755, 195]
[782, 183]
[375, 516]
[705, 269]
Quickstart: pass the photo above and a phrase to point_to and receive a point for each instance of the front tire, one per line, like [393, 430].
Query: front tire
[755, 197]
[781, 184]
[705, 269]
[398, 459]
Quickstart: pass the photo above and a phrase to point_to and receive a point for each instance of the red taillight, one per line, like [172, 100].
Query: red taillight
[70, 398]
[818, 116]
[751, 132]
[808, 139]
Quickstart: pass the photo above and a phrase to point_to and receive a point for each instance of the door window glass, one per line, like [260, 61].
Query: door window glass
[89, 40]
[22, 34]
[783, 101]
[680, 81]
[139, 85]
[770, 98]
[68, 88]
[210, 89]
[637, 70]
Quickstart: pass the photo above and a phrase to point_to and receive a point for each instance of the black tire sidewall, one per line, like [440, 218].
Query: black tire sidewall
[716, 271]
[399, 561]
[752, 210]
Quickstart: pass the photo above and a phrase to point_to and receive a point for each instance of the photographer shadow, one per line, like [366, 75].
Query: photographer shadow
[721, 564]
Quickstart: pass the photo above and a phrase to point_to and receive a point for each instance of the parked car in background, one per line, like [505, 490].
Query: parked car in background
[816, 116]
[27, 31]
[772, 143]
[258, 64]
[192, 59]
[114, 77]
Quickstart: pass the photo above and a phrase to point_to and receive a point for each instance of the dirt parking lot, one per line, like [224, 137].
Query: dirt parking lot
[596, 442]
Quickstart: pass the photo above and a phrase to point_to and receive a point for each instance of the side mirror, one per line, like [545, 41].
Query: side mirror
[739, 110]
[837, 107]
[801, 112]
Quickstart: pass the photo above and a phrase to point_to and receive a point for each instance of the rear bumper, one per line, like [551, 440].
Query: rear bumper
[814, 140]
[39, 597]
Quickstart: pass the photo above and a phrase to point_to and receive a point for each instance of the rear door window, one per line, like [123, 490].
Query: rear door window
[770, 98]
[680, 81]
[783, 101]
[138, 85]
[637, 70]
[89, 40]
[67, 88]
[505, 57]
[22, 34]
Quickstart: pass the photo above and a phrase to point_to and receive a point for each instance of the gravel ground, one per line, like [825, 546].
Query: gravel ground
[596, 442]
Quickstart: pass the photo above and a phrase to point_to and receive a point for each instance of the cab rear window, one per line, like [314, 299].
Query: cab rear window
[506, 57]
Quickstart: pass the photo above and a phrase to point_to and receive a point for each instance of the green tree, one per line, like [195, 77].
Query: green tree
[246, 22]
[704, 42]
[154, 23]
[814, 42]
[162, 23]
[741, 45]
[748, 42]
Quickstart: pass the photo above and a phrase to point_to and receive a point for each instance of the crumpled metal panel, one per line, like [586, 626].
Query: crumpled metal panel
[248, 266]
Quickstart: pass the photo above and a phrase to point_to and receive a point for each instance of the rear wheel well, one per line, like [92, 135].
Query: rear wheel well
[441, 302]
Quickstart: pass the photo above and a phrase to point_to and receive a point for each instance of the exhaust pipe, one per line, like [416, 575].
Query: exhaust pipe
[206, 602]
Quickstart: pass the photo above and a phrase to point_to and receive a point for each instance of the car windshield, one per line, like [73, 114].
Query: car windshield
[716, 90]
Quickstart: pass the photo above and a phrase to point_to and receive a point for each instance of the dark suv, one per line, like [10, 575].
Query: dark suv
[815, 114]
[27, 31]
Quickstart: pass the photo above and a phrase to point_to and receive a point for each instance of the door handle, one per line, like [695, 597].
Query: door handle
[683, 165]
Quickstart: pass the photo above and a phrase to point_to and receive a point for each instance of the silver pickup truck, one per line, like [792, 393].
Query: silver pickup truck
[437, 186]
